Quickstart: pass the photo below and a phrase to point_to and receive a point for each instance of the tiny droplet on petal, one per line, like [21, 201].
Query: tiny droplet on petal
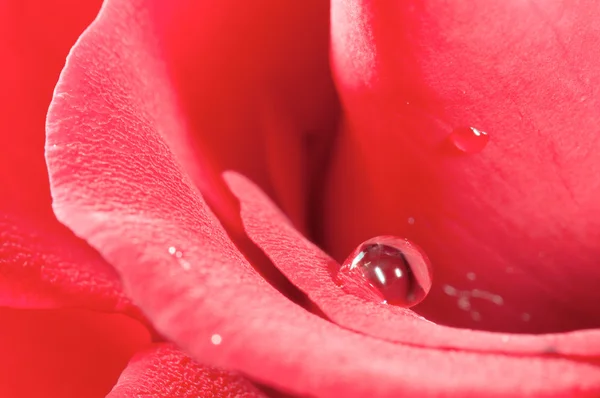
[387, 270]
[216, 339]
[469, 139]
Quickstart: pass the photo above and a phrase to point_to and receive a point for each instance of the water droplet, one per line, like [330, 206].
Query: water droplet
[469, 139]
[216, 339]
[387, 269]
[179, 255]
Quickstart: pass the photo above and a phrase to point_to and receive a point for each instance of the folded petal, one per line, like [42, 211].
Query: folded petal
[117, 184]
[519, 221]
[164, 371]
[312, 271]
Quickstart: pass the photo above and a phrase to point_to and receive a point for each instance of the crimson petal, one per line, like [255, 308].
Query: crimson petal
[64, 352]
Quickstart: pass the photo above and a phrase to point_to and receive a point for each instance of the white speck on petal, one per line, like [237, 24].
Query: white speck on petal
[216, 339]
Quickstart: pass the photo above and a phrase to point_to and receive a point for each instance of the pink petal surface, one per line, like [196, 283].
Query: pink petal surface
[521, 219]
[312, 271]
[116, 183]
[162, 370]
[64, 353]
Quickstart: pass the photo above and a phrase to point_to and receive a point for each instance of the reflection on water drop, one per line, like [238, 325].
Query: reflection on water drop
[387, 269]
[469, 139]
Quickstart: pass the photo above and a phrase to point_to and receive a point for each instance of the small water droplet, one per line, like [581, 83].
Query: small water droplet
[179, 255]
[216, 339]
[388, 270]
[469, 139]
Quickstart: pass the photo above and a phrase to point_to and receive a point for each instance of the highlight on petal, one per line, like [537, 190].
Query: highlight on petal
[312, 271]
[65, 353]
[512, 231]
[162, 370]
[117, 184]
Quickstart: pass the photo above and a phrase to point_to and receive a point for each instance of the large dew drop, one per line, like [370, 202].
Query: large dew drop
[387, 269]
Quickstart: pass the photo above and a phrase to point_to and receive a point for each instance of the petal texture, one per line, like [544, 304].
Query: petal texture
[163, 371]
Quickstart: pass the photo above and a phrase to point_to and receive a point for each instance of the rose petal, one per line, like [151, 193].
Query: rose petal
[46, 266]
[519, 221]
[42, 263]
[312, 271]
[116, 183]
[64, 353]
[163, 371]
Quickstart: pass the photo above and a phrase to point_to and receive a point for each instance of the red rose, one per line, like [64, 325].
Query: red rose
[178, 130]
